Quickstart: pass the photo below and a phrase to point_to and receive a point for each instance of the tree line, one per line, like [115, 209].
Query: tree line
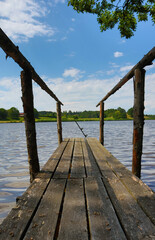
[119, 113]
[109, 114]
[13, 114]
[116, 114]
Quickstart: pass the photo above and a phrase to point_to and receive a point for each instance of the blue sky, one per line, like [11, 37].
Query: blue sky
[78, 62]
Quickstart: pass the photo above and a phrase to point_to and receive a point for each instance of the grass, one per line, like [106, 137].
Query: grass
[49, 119]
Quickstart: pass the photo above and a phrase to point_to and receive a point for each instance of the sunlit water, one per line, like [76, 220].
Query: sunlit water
[14, 176]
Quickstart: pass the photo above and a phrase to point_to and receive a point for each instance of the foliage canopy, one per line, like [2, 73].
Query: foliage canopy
[125, 13]
[13, 113]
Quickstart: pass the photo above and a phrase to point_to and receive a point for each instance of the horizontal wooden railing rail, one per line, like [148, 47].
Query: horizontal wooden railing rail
[145, 61]
[138, 73]
[13, 51]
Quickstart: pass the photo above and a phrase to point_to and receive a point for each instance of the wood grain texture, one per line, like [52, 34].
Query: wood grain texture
[59, 123]
[30, 130]
[109, 202]
[56, 156]
[138, 120]
[104, 223]
[73, 224]
[16, 223]
[63, 168]
[78, 168]
[134, 221]
[144, 196]
[92, 169]
[44, 223]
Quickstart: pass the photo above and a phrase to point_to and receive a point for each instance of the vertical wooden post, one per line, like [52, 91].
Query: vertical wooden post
[138, 113]
[59, 124]
[102, 123]
[27, 98]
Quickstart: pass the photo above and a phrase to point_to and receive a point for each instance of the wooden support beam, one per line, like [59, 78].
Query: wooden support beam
[145, 61]
[13, 51]
[27, 98]
[102, 123]
[139, 82]
[59, 123]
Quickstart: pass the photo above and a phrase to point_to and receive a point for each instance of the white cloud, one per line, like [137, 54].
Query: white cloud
[10, 93]
[126, 68]
[73, 19]
[71, 29]
[72, 54]
[73, 72]
[77, 95]
[118, 54]
[59, 1]
[19, 19]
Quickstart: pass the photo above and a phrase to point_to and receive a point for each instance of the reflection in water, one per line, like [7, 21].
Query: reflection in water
[14, 176]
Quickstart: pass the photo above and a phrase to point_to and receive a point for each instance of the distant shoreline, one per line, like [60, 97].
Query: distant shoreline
[70, 120]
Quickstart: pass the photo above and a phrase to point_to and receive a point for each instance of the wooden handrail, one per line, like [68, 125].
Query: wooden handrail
[145, 61]
[13, 51]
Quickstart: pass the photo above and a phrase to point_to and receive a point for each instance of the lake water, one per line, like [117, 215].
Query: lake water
[14, 176]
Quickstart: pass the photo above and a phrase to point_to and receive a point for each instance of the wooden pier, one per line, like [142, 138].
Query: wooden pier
[83, 192]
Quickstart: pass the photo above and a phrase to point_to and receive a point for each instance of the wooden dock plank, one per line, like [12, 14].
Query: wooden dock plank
[44, 224]
[78, 168]
[82, 192]
[104, 223]
[16, 223]
[56, 156]
[140, 191]
[134, 221]
[63, 168]
[92, 169]
[73, 224]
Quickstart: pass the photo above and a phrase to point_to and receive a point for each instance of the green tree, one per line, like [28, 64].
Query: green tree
[130, 112]
[13, 113]
[123, 13]
[122, 111]
[75, 117]
[3, 114]
[119, 113]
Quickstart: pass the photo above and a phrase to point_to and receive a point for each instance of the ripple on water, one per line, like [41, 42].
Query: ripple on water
[14, 177]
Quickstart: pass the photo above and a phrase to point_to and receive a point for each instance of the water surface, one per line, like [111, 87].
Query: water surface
[14, 176]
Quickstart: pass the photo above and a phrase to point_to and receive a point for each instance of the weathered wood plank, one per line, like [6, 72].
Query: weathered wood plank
[78, 168]
[44, 223]
[63, 169]
[90, 164]
[102, 217]
[54, 159]
[16, 223]
[139, 190]
[134, 221]
[73, 224]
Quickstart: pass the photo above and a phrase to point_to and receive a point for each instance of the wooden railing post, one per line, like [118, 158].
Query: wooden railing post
[59, 124]
[102, 123]
[27, 98]
[138, 113]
